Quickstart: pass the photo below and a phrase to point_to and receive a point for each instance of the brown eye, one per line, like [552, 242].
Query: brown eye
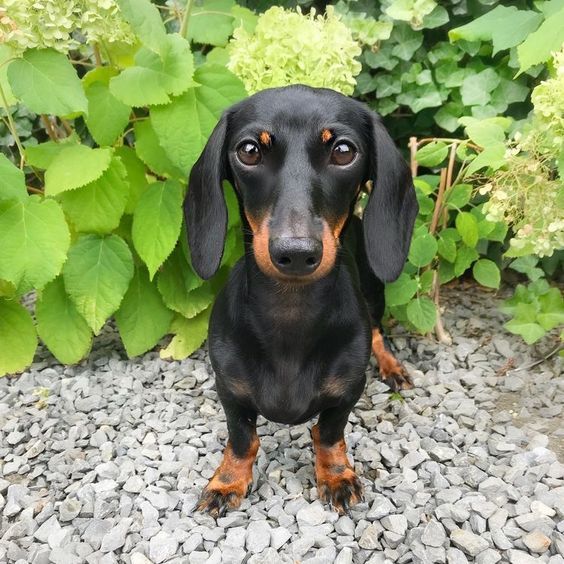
[342, 154]
[249, 153]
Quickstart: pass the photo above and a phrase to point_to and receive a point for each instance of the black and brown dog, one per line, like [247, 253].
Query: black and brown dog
[291, 332]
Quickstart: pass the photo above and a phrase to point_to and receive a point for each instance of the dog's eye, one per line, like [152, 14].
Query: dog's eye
[343, 154]
[249, 153]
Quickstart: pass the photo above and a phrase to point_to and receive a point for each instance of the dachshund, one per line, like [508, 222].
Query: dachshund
[291, 332]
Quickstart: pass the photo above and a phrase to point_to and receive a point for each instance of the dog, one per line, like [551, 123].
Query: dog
[291, 332]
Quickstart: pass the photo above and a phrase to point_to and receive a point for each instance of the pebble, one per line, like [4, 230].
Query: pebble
[470, 543]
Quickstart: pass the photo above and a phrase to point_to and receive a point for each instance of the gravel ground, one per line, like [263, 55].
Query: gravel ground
[103, 462]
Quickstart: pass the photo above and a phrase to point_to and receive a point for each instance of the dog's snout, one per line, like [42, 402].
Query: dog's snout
[295, 256]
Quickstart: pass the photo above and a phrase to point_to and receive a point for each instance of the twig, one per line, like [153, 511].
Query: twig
[450, 167]
[49, 127]
[440, 331]
[97, 55]
[186, 18]
[67, 127]
[439, 202]
[35, 190]
[556, 350]
[412, 153]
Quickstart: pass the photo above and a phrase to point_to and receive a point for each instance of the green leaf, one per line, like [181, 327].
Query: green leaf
[98, 206]
[467, 226]
[506, 27]
[400, 291]
[18, 340]
[476, 88]
[492, 157]
[97, 275]
[465, 256]
[184, 126]
[12, 181]
[154, 78]
[212, 22]
[486, 273]
[423, 250]
[447, 116]
[539, 46]
[458, 196]
[531, 332]
[142, 319]
[75, 166]
[422, 313]
[107, 116]
[176, 281]
[406, 41]
[432, 154]
[156, 223]
[34, 239]
[145, 20]
[425, 281]
[436, 18]
[46, 82]
[151, 153]
[527, 265]
[447, 248]
[189, 335]
[136, 177]
[59, 324]
[485, 132]
[552, 309]
[42, 155]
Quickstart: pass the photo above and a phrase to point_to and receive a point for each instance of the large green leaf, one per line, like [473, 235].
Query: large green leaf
[34, 239]
[156, 223]
[539, 46]
[177, 280]
[401, 290]
[432, 154]
[486, 273]
[12, 181]
[476, 88]
[136, 177]
[184, 126]
[151, 153]
[211, 23]
[505, 26]
[75, 166]
[459, 195]
[18, 340]
[422, 313]
[42, 155]
[46, 82]
[145, 20]
[60, 326]
[107, 116]
[467, 226]
[422, 250]
[98, 206]
[465, 256]
[6, 53]
[142, 319]
[97, 275]
[189, 335]
[155, 77]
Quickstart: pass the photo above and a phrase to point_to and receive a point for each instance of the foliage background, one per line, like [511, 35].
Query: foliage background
[107, 105]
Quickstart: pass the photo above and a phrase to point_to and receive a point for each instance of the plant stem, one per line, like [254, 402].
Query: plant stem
[442, 334]
[12, 127]
[186, 18]
[35, 190]
[439, 202]
[412, 155]
[97, 55]
[49, 127]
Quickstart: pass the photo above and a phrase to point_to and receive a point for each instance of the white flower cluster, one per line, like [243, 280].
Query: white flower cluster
[61, 24]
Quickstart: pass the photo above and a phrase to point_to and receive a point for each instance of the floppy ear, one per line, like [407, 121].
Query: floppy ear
[205, 211]
[392, 207]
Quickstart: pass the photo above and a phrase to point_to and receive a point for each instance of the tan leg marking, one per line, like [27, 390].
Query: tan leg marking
[392, 371]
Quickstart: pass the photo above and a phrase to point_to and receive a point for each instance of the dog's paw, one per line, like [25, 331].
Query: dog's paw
[396, 377]
[217, 500]
[342, 491]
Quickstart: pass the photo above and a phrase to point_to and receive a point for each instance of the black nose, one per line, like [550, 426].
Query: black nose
[295, 256]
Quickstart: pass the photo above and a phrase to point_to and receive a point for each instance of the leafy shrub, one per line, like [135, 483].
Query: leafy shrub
[100, 233]
[287, 47]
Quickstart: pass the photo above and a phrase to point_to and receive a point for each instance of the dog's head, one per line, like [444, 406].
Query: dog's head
[297, 158]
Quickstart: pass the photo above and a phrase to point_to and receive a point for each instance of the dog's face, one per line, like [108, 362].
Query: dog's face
[297, 158]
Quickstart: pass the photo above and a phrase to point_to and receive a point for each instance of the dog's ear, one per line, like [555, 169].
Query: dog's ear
[391, 210]
[205, 211]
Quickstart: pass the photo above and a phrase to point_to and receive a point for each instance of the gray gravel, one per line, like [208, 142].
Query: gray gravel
[103, 462]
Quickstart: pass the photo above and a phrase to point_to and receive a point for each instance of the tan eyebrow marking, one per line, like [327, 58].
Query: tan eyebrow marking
[326, 135]
[265, 138]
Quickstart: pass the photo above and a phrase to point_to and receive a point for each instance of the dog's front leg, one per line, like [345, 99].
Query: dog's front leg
[233, 478]
[337, 482]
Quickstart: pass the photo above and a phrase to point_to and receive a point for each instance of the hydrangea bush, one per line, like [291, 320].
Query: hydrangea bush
[288, 47]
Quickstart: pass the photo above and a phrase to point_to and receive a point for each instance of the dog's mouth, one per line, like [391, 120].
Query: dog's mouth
[294, 261]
